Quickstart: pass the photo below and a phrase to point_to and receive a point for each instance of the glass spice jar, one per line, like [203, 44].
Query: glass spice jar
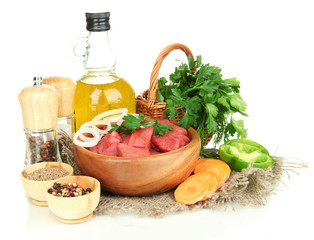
[67, 124]
[41, 146]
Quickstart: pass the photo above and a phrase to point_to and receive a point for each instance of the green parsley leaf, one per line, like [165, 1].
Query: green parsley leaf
[223, 101]
[237, 102]
[211, 109]
[135, 122]
[232, 82]
[170, 109]
[160, 97]
[239, 127]
[191, 62]
[132, 122]
[161, 128]
[162, 81]
[192, 106]
[198, 61]
[211, 124]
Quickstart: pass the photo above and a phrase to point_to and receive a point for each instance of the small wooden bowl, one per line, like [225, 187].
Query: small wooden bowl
[36, 189]
[138, 176]
[74, 209]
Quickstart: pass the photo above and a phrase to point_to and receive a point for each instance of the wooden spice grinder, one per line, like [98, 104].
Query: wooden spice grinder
[66, 89]
[39, 104]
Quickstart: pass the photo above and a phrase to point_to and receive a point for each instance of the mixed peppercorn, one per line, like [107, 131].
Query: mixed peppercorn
[42, 151]
[68, 190]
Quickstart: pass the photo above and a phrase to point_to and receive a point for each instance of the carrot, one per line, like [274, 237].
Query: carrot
[199, 168]
[213, 183]
[198, 163]
[196, 188]
[216, 167]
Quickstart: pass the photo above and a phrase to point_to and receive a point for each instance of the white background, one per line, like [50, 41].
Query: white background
[267, 45]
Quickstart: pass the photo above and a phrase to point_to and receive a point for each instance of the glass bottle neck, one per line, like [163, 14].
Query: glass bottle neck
[99, 56]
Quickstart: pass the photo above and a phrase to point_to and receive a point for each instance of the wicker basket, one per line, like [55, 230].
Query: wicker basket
[147, 103]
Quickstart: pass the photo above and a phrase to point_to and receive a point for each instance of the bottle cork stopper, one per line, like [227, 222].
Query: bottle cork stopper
[66, 88]
[39, 104]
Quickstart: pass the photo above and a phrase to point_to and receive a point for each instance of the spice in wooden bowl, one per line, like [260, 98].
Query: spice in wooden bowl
[45, 174]
[35, 177]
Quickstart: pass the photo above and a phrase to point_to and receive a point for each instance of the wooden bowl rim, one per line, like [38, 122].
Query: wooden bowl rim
[195, 139]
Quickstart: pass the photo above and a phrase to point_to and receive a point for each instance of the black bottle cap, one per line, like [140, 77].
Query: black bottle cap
[37, 81]
[97, 22]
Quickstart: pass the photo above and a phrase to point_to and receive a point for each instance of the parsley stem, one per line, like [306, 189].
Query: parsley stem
[191, 89]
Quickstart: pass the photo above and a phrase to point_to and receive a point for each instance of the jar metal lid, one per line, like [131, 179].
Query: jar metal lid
[97, 22]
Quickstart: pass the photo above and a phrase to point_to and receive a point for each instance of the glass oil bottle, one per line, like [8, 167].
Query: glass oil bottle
[100, 89]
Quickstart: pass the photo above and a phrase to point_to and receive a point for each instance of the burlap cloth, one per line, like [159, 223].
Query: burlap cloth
[251, 186]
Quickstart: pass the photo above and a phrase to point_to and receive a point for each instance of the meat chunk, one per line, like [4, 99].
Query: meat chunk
[94, 149]
[141, 137]
[130, 151]
[125, 138]
[175, 127]
[111, 151]
[106, 142]
[170, 141]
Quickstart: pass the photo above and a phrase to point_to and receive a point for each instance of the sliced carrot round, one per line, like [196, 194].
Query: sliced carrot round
[198, 163]
[192, 190]
[199, 168]
[212, 181]
[216, 167]
[197, 187]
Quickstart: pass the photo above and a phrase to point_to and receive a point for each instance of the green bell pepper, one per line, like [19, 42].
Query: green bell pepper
[240, 153]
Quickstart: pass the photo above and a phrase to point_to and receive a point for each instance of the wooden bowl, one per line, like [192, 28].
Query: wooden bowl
[74, 209]
[139, 176]
[36, 189]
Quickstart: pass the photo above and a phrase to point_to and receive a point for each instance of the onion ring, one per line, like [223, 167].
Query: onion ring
[90, 143]
[109, 113]
[104, 118]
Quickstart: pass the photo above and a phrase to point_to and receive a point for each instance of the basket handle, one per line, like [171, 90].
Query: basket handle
[152, 92]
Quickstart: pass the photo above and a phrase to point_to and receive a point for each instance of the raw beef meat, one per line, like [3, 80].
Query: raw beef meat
[130, 151]
[141, 137]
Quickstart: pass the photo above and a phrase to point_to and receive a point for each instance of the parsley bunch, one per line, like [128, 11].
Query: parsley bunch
[209, 101]
[134, 122]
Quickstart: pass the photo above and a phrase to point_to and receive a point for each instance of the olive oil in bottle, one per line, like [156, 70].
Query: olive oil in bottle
[100, 89]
